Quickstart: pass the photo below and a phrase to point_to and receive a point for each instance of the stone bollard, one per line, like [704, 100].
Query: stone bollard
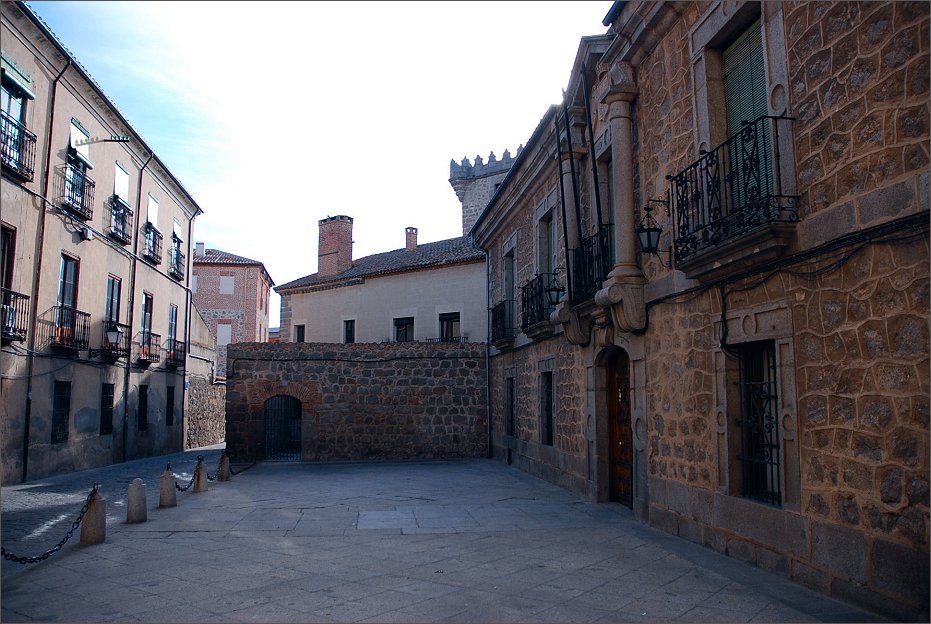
[200, 476]
[135, 502]
[94, 525]
[166, 490]
[223, 470]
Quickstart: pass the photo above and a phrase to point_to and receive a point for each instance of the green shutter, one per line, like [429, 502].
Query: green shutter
[744, 79]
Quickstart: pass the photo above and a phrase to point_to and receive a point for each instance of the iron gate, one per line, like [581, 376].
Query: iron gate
[282, 428]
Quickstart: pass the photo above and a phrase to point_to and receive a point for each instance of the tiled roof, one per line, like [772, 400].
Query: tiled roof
[215, 256]
[450, 251]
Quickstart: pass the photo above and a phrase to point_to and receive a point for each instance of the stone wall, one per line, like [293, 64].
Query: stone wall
[362, 401]
[205, 421]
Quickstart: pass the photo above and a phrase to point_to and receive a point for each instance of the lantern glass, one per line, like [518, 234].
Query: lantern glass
[648, 238]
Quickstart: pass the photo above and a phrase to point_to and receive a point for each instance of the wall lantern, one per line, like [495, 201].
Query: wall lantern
[114, 340]
[649, 231]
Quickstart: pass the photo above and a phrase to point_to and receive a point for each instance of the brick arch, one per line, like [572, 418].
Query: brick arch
[259, 391]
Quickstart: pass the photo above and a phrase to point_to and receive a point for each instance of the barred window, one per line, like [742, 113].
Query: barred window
[759, 426]
[61, 411]
[106, 408]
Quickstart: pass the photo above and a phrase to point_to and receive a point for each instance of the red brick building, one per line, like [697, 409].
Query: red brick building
[231, 292]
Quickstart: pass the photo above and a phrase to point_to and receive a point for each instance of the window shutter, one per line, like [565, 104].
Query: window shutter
[152, 214]
[744, 79]
[121, 183]
[78, 134]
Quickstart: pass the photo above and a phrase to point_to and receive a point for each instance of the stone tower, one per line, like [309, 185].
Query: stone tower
[476, 183]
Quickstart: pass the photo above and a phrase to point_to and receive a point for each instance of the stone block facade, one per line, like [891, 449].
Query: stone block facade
[205, 422]
[364, 401]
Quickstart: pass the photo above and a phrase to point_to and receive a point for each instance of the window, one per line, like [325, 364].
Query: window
[227, 284]
[78, 162]
[61, 411]
[7, 249]
[172, 322]
[349, 331]
[193, 283]
[152, 211]
[176, 260]
[142, 409]
[510, 288]
[120, 185]
[112, 313]
[224, 334]
[759, 423]
[298, 333]
[106, 408]
[510, 401]
[449, 327]
[170, 406]
[547, 413]
[146, 348]
[546, 244]
[404, 329]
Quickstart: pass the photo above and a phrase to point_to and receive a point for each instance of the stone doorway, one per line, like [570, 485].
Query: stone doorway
[620, 436]
[282, 428]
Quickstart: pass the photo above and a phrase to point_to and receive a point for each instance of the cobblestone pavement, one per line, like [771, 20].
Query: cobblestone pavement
[463, 540]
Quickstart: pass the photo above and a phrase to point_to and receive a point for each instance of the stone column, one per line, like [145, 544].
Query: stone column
[622, 293]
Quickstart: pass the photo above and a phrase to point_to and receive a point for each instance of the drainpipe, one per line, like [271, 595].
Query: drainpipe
[187, 329]
[37, 271]
[132, 298]
[488, 354]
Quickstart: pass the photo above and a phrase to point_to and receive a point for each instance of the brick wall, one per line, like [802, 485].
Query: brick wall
[362, 401]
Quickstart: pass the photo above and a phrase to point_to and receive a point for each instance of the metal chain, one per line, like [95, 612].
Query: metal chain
[46, 555]
[187, 487]
[236, 472]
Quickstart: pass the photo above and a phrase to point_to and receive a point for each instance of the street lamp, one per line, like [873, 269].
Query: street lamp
[649, 231]
[113, 341]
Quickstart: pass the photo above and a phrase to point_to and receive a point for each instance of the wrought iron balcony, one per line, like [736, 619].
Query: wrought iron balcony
[14, 314]
[17, 147]
[538, 299]
[731, 190]
[120, 220]
[502, 321]
[174, 352]
[592, 261]
[114, 348]
[453, 339]
[149, 350]
[71, 328]
[152, 247]
[76, 191]
[176, 262]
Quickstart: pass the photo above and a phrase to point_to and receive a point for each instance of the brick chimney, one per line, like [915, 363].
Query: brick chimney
[411, 238]
[334, 253]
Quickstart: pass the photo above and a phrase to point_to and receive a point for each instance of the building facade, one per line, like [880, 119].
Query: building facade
[430, 292]
[95, 242]
[231, 293]
[708, 272]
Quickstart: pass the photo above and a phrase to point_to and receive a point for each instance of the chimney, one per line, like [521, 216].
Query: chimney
[334, 252]
[411, 244]
[199, 249]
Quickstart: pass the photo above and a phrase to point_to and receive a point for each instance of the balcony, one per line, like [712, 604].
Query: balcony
[538, 299]
[149, 351]
[115, 340]
[17, 148]
[728, 206]
[152, 246]
[176, 262]
[120, 220]
[452, 339]
[70, 328]
[14, 315]
[175, 352]
[502, 323]
[592, 261]
[76, 191]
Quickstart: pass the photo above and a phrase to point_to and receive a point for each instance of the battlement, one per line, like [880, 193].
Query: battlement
[478, 169]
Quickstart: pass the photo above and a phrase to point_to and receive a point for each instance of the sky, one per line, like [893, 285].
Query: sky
[274, 115]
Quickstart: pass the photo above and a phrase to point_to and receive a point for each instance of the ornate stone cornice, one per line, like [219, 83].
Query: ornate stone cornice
[626, 303]
[577, 329]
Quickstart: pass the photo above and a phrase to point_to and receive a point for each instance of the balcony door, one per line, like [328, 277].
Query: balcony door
[67, 298]
[145, 344]
[621, 444]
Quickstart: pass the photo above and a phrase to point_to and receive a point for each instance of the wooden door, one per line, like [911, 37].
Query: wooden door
[621, 453]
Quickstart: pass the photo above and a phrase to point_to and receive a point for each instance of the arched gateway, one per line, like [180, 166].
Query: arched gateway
[283, 428]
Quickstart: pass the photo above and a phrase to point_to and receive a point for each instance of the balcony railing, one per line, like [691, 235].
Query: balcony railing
[121, 347]
[502, 320]
[453, 339]
[535, 306]
[176, 262]
[174, 352]
[17, 147]
[14, 314]
[731, 190]
[71, 328]
[76, 191]
[120, 222]
[152, 248]
[592, 261]
[149, 350]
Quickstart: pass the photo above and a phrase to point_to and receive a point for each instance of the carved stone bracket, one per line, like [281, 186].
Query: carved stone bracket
[625, 301]
[577, 329]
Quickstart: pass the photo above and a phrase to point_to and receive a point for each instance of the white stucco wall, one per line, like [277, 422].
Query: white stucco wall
[375, 304]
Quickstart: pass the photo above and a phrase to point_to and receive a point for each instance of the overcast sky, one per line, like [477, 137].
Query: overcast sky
[275, 115]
